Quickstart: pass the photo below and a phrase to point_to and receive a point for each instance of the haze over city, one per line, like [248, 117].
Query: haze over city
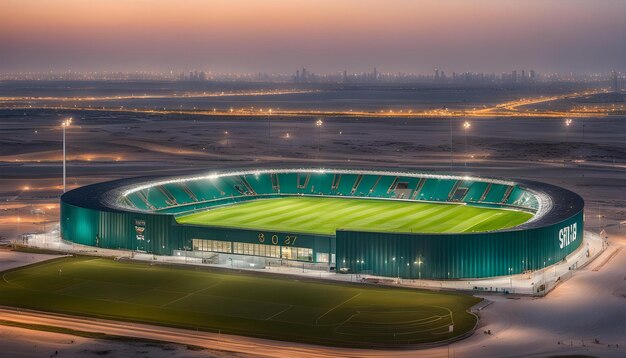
[280, 36]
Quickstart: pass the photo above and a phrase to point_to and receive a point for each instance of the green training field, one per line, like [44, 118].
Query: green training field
[324, 215]
[245, 304]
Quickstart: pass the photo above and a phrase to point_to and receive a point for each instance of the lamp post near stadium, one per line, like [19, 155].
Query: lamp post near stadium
[408, 269]
[18, 225]
[398, 268]
[419, 268]
[451, 155]
[466, 126]
[568, 123]
[66, 123]
[319, 124]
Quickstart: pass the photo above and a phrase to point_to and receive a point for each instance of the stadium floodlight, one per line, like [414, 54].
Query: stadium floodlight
[66, 123]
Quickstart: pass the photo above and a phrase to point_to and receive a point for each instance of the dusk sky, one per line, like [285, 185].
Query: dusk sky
[324, 36]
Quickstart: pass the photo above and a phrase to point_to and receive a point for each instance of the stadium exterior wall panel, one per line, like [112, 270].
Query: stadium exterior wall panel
[446, 256]
[116, 230]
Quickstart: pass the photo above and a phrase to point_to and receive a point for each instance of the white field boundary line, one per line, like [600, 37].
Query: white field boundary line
[279, 312]
[191, 294]
[334, 308]
[482, 221]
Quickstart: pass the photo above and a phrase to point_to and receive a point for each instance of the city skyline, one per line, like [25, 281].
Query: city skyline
[282, 36]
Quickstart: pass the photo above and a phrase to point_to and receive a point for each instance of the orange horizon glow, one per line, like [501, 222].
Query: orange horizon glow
[287, 34]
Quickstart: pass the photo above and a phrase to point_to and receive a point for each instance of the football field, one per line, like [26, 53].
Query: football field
[323, 215]
[257, 305]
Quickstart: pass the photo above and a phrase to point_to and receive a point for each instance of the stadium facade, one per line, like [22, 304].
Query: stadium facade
[139, 214]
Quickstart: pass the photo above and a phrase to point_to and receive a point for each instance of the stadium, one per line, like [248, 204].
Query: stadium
[379, 222]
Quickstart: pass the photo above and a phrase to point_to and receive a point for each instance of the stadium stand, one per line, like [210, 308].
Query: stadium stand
[191, 195]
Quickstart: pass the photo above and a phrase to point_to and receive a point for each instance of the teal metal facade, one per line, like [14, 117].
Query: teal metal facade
[453, 256]
[87, 219]
[162, 234]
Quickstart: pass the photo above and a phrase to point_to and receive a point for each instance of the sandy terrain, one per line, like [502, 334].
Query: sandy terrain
[12, 259]
[23, 343]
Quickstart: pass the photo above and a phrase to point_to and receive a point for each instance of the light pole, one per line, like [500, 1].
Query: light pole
[466, 126]
[269, 126]
[419, 268]
[583, 142]
[18, 225]
[451, 156]
[394, 262]
[511, 277]
[568, 122]
[319, 124]
[600, 216]
[66, 123]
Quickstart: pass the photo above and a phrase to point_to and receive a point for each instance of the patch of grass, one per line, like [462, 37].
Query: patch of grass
[326, 215]
[263, 306]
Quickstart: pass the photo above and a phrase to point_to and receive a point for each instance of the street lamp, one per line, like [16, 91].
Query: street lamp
[269, 125]
[66, 123]
[419, 267]
[466, 126]
[568, 123]
[18, 228]
[451, 154]
[398, 268]
[319, 124]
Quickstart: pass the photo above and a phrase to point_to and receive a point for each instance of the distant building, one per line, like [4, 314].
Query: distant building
[615, 82]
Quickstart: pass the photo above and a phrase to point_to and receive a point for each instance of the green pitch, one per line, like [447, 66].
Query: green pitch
[264, 306]
[325, 215]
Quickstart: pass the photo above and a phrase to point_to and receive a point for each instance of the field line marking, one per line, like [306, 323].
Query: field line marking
[276, 314]
[191, 294]
[334, 308]
[10, 283]
[482, 221]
